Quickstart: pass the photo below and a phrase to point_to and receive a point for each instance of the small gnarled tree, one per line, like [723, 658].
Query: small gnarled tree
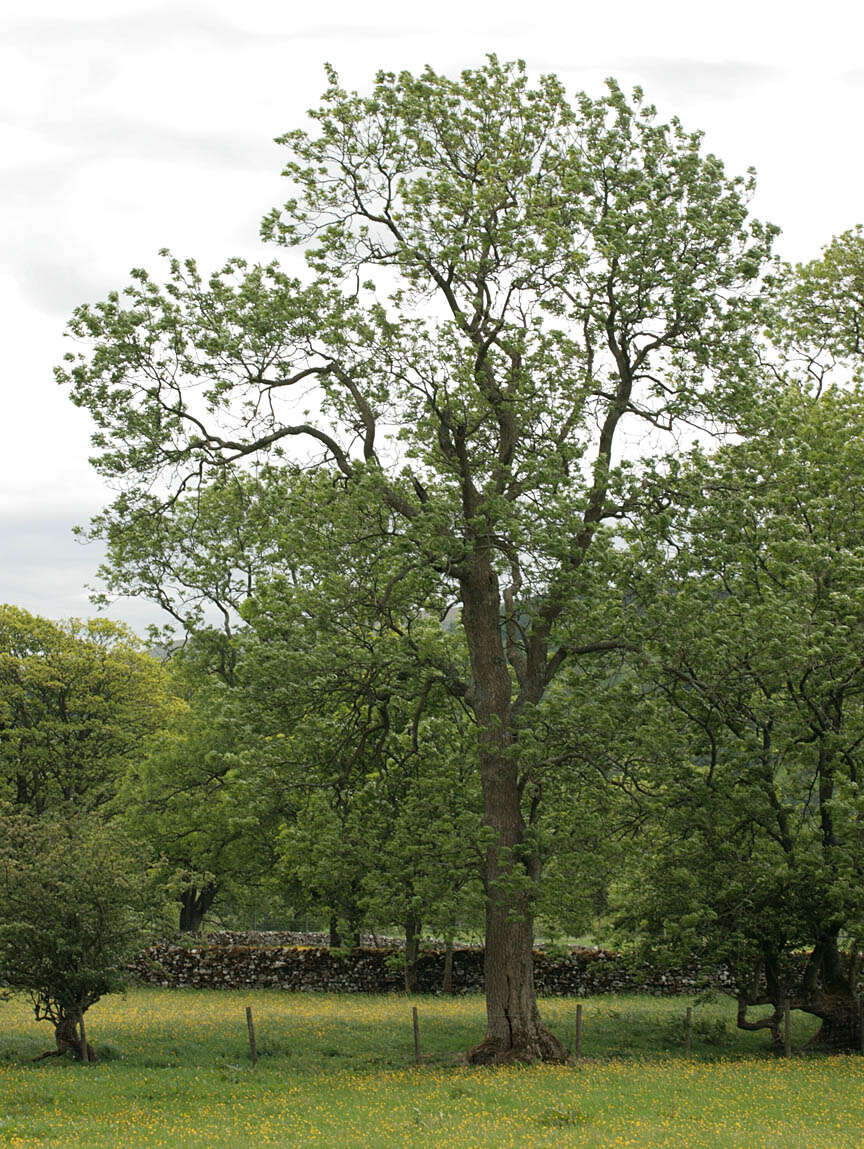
[76, 903]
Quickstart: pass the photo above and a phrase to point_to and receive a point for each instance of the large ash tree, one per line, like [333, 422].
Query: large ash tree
[504, 291]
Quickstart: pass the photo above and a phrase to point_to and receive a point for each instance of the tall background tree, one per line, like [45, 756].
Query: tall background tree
[198, 800]
[749, 620]
[505, 290]
[747, 612]
[79, 701]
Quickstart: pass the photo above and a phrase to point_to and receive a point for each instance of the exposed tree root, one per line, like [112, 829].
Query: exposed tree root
[542, 1045]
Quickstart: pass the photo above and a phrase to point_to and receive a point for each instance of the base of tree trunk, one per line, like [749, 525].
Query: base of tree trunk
[67, 1041]
[539, 1045]
[839, 1031]
[75, 1050]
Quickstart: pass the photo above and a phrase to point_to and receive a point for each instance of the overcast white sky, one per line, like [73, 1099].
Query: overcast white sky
[128, 126]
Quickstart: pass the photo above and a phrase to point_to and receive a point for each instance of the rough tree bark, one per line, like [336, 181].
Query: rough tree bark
[67, 1039]
[828, 991]
[514, 1030]
[195, 901]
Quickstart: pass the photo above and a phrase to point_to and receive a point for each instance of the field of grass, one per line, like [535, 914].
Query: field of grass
[175, 1070]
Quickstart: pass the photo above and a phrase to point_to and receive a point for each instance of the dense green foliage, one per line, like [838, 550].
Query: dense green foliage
[750, 620]
[76, 903]
[503, 287]
[481, 616]
[78, 703]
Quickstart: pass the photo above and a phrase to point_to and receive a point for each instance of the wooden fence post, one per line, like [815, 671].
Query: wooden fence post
[416, 1023]
[578, 1051]
[251, 1027]
[688, 1031]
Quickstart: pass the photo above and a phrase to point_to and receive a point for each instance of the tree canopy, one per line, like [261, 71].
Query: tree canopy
[751, 681]
[78, 701]
[503, 289]
[77, 902]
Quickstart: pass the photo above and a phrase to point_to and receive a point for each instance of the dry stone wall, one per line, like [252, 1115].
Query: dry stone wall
[233, 965]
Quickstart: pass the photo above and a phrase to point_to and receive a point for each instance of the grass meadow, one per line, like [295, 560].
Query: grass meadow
[175, 1070]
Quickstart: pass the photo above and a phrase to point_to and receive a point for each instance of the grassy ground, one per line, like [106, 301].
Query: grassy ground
[174, 1070]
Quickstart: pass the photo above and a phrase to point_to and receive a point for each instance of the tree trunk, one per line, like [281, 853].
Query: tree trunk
[771, 1021]
[828, 992]
[340, 928]
[335, 938]
[67, 1038]
[194, 904]
[514, 1030]
[839, 1031]
[412, 951]
[447, 980]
